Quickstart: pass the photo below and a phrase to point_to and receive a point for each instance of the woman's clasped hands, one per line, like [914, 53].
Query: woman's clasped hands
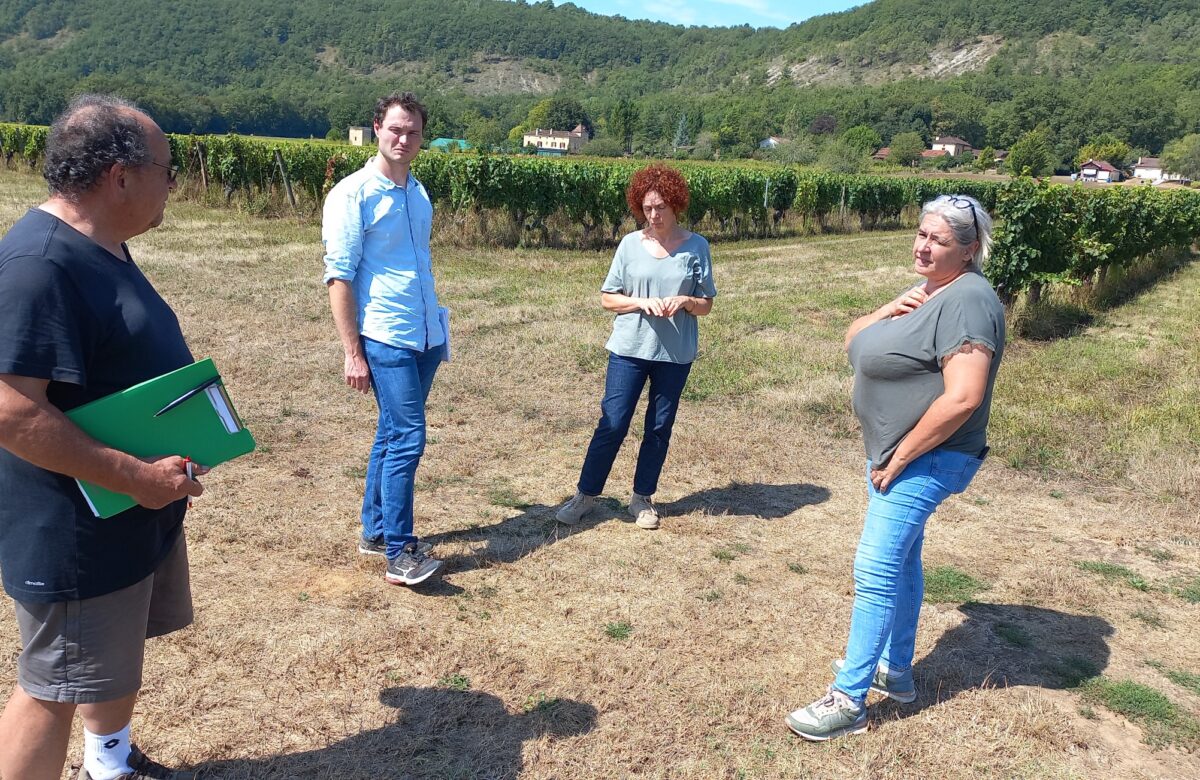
[662, 307]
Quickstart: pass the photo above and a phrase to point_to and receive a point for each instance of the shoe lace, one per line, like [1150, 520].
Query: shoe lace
[827, 704]
[834, 701]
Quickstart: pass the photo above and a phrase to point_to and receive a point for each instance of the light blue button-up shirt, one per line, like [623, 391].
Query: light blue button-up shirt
[376, 237]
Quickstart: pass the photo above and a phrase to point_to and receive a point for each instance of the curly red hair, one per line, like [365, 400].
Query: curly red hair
[667, 182]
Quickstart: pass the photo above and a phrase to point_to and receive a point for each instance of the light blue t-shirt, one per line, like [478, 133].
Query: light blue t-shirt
[376, 237]
[637, 273]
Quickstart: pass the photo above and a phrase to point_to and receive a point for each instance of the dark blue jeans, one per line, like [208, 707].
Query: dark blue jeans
[622, 387]
[401, 379]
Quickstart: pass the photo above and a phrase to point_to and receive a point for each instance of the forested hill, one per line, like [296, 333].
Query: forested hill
[985, 71]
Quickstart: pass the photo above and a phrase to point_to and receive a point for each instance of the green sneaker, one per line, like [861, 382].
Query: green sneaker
[829, 717]
[894, 686]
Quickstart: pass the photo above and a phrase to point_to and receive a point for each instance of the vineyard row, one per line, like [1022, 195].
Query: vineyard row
[1045, 232]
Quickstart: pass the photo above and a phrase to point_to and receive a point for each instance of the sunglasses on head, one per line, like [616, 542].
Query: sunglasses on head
[963, 203]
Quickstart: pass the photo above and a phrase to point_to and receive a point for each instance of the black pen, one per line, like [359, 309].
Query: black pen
[194, 391]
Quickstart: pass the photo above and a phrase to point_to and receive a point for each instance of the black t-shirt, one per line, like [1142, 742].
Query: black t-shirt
[91, 324]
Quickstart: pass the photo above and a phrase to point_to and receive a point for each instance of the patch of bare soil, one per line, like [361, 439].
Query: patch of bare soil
[942, 62]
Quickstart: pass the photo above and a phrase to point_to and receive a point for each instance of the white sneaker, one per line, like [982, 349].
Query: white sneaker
[573, 511]
[642, 508]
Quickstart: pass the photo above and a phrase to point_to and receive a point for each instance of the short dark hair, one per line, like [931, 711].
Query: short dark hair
[94, 133]
[406, 100]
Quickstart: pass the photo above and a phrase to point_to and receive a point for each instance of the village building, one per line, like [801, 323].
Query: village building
[951, 145]
[1151, 168]
[361, 136]
[556, 142]
[1099, 171]
[449, 145]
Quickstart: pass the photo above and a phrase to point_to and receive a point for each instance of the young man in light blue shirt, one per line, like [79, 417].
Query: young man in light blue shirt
[376, 227]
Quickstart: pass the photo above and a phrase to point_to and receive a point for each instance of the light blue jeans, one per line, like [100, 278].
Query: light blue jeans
[888, 581]
[401, 379]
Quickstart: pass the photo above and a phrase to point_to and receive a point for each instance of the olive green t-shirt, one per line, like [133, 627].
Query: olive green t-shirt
[898, 365]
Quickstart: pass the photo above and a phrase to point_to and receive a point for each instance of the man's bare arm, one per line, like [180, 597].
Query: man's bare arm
[345, 319]
[34, 430]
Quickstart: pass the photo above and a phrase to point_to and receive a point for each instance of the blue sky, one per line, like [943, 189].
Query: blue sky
[724, 13]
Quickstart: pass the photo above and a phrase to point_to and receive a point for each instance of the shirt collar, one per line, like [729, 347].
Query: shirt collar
[411, 183]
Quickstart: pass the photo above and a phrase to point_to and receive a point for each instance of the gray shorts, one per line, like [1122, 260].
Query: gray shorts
[91, 650]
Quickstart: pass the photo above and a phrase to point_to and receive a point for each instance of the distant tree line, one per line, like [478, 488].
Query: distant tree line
[1072, 72]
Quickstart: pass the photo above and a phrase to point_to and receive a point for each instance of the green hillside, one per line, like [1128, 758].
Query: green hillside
[985, 71]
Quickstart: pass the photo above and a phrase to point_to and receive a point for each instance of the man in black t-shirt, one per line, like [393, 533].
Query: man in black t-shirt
[79, 321]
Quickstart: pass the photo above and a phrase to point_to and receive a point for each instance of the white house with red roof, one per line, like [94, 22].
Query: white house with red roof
[951, 145]
[1099, 170]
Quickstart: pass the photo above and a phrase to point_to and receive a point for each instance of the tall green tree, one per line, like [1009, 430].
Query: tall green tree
[1107, 147]
[863, 138]
[1031, 155]
[484, 132]
[1183, 156]
[682, 138]
[906, 148]
[623, 122]
[842, 156]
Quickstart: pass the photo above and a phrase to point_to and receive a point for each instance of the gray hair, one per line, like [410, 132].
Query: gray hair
[968, 221]
[94, 133]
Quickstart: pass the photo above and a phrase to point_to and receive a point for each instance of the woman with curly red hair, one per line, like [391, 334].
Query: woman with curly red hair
[660, 281]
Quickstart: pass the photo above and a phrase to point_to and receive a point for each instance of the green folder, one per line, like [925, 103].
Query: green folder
[186, 412]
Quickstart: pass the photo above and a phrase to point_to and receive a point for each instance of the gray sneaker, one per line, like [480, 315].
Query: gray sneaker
[379, 547]
[894, 685]
[411, 567]
[643, 511]
[829, 717]
[573, 511]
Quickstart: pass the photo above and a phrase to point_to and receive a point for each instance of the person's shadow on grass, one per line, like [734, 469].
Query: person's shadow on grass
[440, 733]
[535, 527]
[1001, 645]
[755, 499]
[515, 537]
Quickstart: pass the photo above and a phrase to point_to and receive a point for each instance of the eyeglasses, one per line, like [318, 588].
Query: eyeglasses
[963, 203]
[172, 171]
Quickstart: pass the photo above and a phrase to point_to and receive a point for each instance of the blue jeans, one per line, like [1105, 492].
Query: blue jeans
[401, 379]
[623, 385]
[888, 581]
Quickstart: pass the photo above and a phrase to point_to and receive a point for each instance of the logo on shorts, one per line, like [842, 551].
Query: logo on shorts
[33, 584]
[112, 743]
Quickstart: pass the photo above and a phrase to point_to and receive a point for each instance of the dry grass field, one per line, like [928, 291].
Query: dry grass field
[1061, 635]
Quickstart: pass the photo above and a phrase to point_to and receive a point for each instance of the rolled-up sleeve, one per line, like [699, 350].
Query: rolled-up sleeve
[342, 233]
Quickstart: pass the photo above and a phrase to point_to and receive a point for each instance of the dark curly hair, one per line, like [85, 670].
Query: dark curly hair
[667, 182]
[94, 133]
[406, 100]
